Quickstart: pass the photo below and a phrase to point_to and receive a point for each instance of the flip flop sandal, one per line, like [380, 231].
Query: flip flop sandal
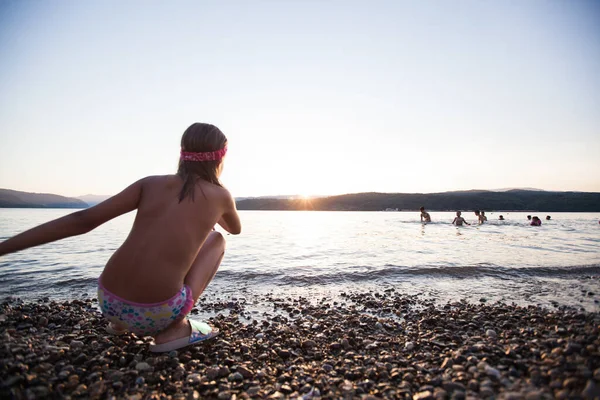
[201, 332]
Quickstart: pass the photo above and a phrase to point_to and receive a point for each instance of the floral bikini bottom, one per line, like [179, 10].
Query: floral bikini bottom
[144, 319]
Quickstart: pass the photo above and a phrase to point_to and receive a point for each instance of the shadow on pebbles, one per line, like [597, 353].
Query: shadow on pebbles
[365, 346]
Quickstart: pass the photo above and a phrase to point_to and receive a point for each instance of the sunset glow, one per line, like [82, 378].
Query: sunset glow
[315, 99]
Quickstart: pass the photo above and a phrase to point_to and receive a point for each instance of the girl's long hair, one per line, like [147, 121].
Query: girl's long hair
[199, 138]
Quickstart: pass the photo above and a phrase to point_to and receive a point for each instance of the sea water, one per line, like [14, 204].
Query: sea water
[327, 253]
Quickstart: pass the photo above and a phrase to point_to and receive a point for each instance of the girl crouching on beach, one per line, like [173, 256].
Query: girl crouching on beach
[154, 279]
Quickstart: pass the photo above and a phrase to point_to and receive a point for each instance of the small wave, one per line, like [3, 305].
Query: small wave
[308, 276]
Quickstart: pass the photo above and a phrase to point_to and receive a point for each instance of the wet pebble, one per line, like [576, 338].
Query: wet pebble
[143, 366]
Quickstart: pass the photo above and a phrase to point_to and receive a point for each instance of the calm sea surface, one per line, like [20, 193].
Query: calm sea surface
[326, 253]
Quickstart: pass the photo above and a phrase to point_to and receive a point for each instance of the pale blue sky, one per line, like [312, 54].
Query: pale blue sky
[316, 97]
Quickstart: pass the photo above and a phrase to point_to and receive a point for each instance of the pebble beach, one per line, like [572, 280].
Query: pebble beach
[366, 345]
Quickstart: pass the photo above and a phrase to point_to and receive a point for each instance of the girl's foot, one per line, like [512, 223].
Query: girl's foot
[176, 330]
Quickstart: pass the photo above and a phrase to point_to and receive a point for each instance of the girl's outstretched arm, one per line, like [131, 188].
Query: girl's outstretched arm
[77, 223]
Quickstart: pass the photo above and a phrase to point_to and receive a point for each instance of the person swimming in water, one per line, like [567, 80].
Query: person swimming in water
[535, 221]
[482, 217]
[458, 221]
[501, 218]
[529, 218]
[425, 217]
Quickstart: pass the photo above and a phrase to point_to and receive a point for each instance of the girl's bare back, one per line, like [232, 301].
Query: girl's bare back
[165, 238]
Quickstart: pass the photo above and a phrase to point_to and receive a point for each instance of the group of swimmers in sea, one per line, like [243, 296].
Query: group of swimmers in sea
[481, 218]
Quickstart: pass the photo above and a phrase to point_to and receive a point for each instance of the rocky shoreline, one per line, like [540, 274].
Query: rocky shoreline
[369, 345]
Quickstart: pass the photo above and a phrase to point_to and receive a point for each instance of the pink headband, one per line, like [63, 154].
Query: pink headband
[206, 156]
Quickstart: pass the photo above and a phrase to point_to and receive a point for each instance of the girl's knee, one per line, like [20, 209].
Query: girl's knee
[217, 240]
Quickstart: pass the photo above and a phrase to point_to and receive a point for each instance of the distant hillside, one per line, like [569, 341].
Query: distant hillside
[513, 200]
[16, 199]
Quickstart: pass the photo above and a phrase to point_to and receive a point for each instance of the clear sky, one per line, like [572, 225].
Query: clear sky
[315, 97]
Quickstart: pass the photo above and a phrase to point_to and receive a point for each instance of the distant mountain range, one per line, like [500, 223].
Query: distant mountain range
[15, 199]
[510, 200]
[506, 200]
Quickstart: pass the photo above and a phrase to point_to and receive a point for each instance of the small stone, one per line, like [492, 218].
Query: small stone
[284, 354]
[440, 394]
[193, 378]
[235, 377]
[570, 383]
[96, 389]
[491, 334]
[426, 395]
[458, 395]
[73, 380]
[173, 354]
[76, 344]
[143, 366]
[562, 394]
[474, 385]
[80, 359]
[260, 336]
[447, 363]
[512, 396]
[409, 346]
[486, 391]
[535, 395]
[346, 386]
[308, 344]
[246, 373]
[41, 392]
[80, 390]
[573, 347]
[212, 373]
[453, 386]
[140, 381]
[591, 390]
[224, 395]
[253, 390]
[286, 389]
[114, 375]
[493, 372]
